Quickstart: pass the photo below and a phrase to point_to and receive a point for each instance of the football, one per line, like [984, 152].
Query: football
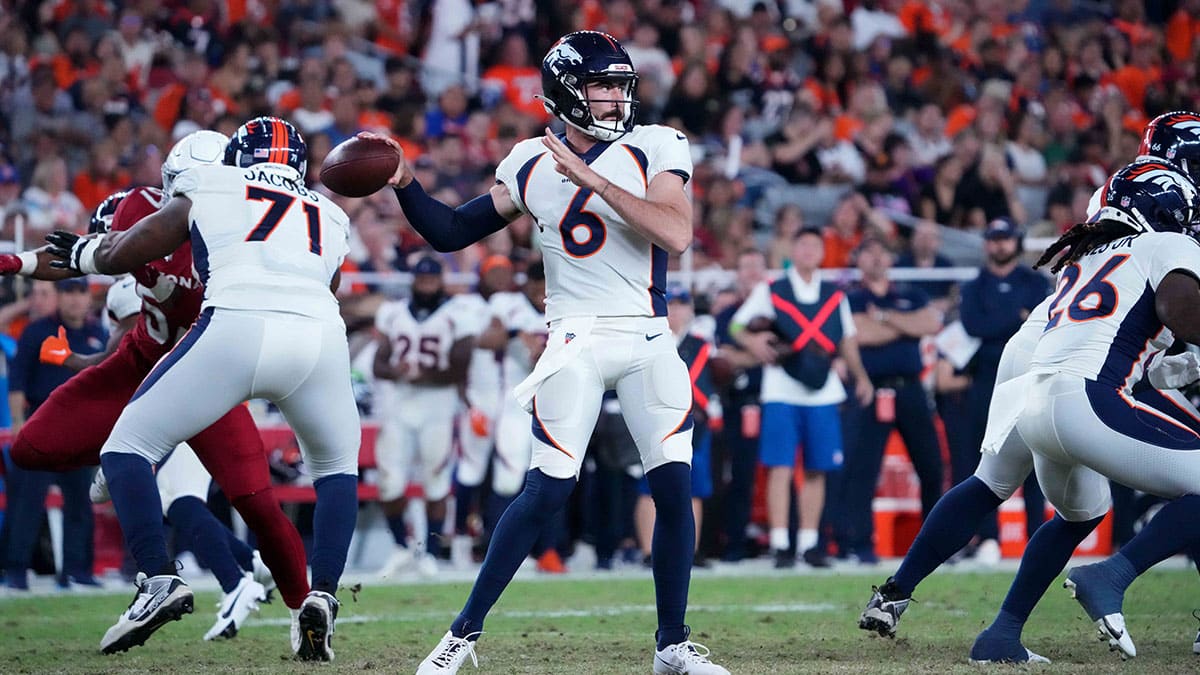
[359, 167]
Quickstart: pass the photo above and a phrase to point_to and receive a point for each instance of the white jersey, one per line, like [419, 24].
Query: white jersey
[596, 264]
[1101, 323]
[425, 344]
[122, 300]
[518, 315]
[262, 241]
[483, 375]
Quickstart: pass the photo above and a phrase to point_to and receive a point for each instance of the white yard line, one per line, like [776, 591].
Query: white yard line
[615, 610]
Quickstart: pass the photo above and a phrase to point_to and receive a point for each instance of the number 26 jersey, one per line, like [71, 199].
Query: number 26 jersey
[596, 264]
[261, 240]
[1102, 323]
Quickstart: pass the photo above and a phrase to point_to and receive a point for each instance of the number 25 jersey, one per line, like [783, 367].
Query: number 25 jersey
[596, 264]
[1102, 323]
[261, 240]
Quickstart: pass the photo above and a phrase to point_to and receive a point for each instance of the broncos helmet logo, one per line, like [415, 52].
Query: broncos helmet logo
[563, 55]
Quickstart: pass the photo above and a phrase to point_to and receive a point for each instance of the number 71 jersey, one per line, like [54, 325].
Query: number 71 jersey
[263, 241]
[596, 264]
[1102, 323]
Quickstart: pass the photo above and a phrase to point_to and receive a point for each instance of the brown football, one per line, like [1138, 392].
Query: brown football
[359, 167]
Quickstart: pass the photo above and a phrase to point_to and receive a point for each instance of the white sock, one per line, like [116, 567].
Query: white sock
[807, 540]
[779, 539]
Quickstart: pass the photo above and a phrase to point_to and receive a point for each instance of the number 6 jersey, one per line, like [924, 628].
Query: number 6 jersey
[596, 264]
[1102, 323]
[263, 241]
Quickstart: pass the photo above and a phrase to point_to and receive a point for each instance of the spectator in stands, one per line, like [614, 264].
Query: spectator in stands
[937, 197]
[450, 115]
[890, 320]
[794, 147]
[923, 253]
[30, 384]
[800, 390]
[691, 106]
[927, 137]
[48, 203]
[789, 220]
[10, 193]
[102, 177]
[853, 220]
[987, 192]
[740, 399]
[992, 309]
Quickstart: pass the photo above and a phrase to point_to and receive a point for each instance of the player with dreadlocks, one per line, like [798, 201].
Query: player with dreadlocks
[1143, 197]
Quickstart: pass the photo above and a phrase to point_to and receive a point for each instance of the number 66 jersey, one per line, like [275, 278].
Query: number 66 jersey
[596, 264]
[1102, 323]
[263, 241]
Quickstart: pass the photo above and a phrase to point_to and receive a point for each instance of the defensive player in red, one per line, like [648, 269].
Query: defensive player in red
[231, 449]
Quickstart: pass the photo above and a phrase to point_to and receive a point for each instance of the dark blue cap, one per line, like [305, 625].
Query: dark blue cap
[1002, 228]
[427, 265]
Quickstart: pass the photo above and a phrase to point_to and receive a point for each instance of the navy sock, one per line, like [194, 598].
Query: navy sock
[464, 501]
[333, 524]
[433, 538]
[949, 527]
[399, 529]
[135, 497]
[672, 548]
[515, 534]
[206, 537]
[1165, 534]
[1046, 554]
[242, 553]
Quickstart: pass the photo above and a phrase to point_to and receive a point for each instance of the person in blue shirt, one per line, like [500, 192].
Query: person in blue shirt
[993, 307]
[890, 319]
[30, 383]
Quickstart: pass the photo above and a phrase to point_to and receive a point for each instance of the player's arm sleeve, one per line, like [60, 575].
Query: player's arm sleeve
[122, 300]
[446, 228]
[671, 153]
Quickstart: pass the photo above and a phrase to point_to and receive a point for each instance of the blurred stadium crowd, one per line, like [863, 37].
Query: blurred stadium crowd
[913, 123]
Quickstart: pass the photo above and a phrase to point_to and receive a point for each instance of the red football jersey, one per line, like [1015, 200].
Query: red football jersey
[161, 323]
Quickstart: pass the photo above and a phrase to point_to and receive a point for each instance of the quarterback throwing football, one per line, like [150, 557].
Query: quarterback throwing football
[609, 201]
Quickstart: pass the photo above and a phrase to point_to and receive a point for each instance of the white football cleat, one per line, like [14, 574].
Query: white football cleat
[688, 658]
[449, 655]
[159, 599]
[399, 562]
[235, 607]
[1111, 629]
[312, 627]
[98, 492]
[262, 574]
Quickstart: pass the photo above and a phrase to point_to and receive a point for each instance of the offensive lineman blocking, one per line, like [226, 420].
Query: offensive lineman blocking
[609, 201]
[269, 328]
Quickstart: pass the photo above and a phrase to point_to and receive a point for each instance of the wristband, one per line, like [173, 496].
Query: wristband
[28, 263]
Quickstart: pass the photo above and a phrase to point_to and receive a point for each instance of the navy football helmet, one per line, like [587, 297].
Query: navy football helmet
[1175, 137]
[102, 217]
[1151, 195]
[574, 61]
[267, 139]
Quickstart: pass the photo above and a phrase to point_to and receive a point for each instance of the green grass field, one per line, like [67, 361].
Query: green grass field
[778, 624]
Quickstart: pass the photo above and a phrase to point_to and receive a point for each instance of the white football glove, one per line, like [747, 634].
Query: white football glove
[1173, 372]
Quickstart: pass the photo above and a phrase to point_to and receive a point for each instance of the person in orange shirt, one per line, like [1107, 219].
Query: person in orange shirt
[1183, 29]
[852, 218]
[515, 80]
[102, 177]
[1143, 70]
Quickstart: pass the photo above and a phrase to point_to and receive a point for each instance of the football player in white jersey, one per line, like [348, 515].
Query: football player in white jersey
[609, 200]
[424, 348]
[1127, 286]
[1003, 469]
[268, 251]
[484, 397]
